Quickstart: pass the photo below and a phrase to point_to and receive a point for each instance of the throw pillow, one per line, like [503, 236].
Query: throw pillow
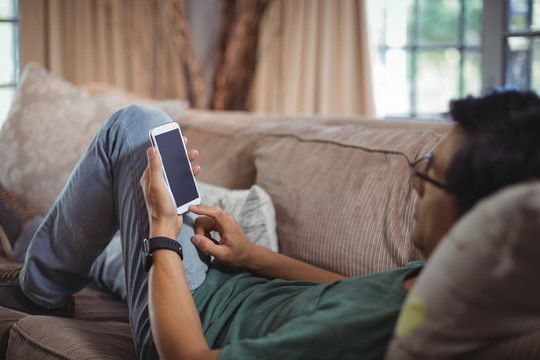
[480, 285]
[49, 125]
[252, 208]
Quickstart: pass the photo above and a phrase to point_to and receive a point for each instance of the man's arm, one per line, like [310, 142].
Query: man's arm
[174, 320]
[235, 249]
[273, 265]
[175, 323]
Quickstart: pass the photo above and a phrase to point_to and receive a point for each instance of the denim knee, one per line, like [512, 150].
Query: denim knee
[145, 117]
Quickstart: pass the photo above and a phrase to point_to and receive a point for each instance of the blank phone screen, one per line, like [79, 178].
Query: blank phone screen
[177, 167]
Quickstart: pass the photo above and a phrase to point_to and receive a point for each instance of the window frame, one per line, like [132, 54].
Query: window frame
[15, 21]
[493, 47]
[414, 47]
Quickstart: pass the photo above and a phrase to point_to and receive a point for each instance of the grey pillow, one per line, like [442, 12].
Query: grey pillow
[480, 285]
[50, 124]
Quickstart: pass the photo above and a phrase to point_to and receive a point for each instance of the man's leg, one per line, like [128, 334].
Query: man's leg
[102, 194]
[107, 272]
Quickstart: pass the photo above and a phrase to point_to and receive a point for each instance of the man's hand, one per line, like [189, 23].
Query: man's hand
[162, 215]
[192, 155]
[234, 248]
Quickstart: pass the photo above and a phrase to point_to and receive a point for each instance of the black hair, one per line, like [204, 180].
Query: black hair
[501, 147]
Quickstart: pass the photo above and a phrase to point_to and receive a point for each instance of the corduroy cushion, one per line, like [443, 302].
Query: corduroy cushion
[90, 304]
[96, 305]
[44, 338]
[7, 319]
[225, 142]
[342, 193]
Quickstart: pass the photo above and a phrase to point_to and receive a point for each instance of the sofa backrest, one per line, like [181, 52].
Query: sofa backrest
[340, 185]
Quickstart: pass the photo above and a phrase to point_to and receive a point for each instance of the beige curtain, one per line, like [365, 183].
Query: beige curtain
[132, 44]
[313, 57]
[281, 55]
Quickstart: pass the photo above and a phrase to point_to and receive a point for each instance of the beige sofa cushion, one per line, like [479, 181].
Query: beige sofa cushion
[225, 154]
[90, 304]
[226, 141]
[7, 319]
[44, 338]
[342, 192]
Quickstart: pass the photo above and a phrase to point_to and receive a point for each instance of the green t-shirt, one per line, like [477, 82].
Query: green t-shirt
[250, 317]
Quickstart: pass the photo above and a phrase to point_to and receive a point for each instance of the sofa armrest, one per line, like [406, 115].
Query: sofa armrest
[6, 245]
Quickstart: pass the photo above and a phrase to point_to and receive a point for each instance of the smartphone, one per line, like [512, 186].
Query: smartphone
[177, 172]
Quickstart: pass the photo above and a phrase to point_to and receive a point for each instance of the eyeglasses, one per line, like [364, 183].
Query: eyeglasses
[419, 173]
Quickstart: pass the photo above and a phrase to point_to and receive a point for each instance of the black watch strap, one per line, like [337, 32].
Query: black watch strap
[156, 243]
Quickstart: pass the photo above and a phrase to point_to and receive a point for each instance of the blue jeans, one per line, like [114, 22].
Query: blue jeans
[102, 196]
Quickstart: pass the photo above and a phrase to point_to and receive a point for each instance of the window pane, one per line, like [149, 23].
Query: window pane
[472, 73]
[8, 9]
[523, 69]
[397, 17]
[536, 15]
[7, 59]
[439, 21]
[518, 62]
[438, 78]
[518, 18]
[535, 70]
[6, 96]
[397, 90]
[473, 21]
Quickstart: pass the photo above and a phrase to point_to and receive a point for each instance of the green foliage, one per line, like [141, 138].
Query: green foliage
[438, 21]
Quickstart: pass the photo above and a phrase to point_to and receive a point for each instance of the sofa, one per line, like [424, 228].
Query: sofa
[339, 186]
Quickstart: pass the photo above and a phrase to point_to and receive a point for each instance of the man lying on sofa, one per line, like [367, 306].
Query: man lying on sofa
[185, 308]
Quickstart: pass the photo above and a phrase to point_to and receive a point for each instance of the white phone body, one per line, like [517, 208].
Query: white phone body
[177, 172]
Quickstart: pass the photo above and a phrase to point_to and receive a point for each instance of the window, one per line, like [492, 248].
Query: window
[9, 55]
[426, 52]
[522, 42]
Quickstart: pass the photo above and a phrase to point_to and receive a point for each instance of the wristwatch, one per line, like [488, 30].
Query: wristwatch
[153, 244]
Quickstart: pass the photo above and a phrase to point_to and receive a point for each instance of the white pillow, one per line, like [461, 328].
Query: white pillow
[50, 124]
[252, 208]
[480, 286]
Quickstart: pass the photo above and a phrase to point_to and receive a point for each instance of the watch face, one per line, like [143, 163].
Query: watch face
[146, 246]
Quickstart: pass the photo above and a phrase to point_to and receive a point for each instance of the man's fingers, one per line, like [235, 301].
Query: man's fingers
[212, 211]
[192, 154]
[204, 224]
[207, 246]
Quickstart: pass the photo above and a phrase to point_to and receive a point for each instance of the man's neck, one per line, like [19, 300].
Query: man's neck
[409, 282]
